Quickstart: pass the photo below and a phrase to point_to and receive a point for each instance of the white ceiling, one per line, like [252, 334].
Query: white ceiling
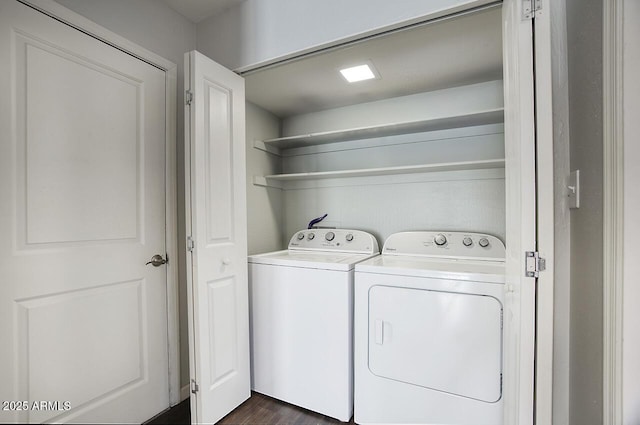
[449, 53]
[458, 51]
[198, 10]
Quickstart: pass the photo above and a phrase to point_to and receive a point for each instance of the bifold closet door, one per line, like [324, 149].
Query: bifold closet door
[217, 228]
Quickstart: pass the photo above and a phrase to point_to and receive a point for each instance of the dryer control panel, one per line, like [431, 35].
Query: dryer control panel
[334, 240]
[463, 245]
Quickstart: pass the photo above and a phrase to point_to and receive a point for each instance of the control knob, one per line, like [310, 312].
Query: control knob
[330, 236]
[467, 241]
[310, 236]
[440, 239]
[300, 236]
[349, 237]
[484, 242]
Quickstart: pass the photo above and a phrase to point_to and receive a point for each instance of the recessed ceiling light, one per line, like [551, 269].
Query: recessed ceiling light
[358, 73]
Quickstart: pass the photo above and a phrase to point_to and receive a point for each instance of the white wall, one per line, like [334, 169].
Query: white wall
[455, 201]
[259, 31]
[584, 38]
[158, 28]
[264, 205]
[631, 290]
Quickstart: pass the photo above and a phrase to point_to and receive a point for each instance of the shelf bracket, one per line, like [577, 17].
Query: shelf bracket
[264, 182]
[260, 145]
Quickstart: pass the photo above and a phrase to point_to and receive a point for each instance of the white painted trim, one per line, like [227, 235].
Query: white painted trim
[435, 16]
[520, 190]
[613, 209]
[71, 18]
[545, 216]
[61, 13]
[188, 177]
[171, 216]
[185, 393]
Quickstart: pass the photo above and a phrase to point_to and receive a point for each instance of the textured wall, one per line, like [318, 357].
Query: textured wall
[584, 38]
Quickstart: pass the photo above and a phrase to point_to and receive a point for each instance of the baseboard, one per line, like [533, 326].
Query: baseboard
[184, 393]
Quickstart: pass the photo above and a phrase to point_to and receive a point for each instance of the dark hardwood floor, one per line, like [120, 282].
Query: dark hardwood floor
[179, 414]
[257, 410]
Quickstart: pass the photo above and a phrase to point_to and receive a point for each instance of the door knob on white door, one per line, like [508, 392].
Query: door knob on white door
[157, 260]
[226, 261]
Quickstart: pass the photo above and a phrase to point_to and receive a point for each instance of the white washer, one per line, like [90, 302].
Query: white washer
[428, 330]
[302, 319]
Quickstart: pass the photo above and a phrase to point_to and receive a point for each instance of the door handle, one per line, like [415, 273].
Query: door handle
[379, 331]
[157, 260]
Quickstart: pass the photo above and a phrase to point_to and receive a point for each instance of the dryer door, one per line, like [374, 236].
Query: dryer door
[444, 341]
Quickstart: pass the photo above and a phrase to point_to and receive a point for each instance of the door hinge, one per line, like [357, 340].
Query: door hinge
[191, 244]
[529, 8]
[534, 264]
[194, 386]
[188, 97]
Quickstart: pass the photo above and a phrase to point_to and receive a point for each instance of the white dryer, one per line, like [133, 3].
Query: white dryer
[301, 306]
[428, 330]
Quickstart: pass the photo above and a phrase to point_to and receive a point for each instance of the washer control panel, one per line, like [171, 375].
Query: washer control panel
[338, 240]
[445, 244]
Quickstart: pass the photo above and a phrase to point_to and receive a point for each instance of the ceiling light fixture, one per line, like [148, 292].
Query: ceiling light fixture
[358, 73]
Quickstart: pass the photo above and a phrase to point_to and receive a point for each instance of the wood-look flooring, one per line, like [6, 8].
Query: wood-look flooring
[257, 410]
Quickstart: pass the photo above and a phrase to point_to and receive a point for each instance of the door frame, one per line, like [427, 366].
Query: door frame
[545, 215]
[613, 211]
[68, 17]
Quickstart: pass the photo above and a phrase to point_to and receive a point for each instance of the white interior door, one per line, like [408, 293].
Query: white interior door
[83, 320]
[217, 223]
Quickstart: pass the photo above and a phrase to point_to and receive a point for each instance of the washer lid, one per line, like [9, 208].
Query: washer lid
[339, 261]
[437, 268]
